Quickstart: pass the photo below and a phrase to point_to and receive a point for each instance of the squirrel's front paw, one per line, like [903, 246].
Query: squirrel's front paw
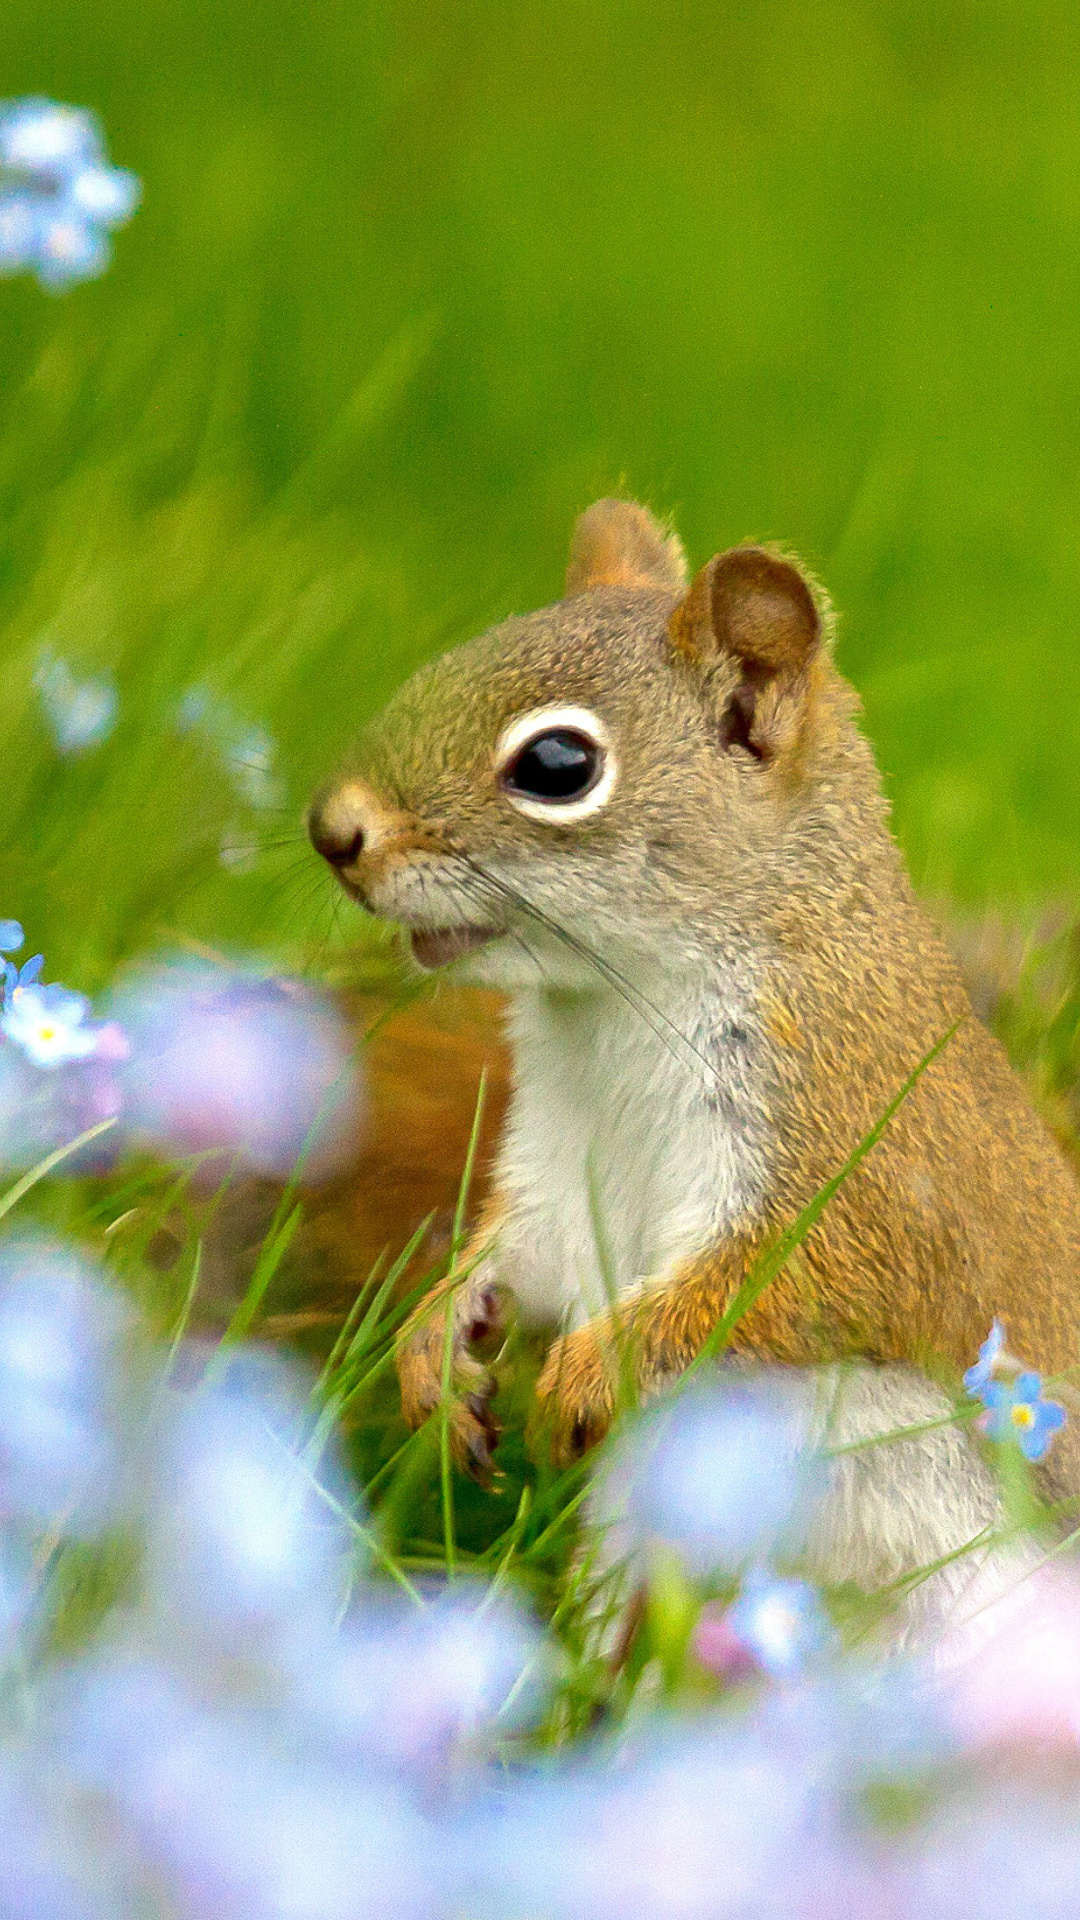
[478, 1317]
[575, 1396]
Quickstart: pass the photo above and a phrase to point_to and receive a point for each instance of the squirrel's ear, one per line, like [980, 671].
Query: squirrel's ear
[752, 626]
[616, 543]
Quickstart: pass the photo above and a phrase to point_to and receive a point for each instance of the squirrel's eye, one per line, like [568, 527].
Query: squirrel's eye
[556, 764]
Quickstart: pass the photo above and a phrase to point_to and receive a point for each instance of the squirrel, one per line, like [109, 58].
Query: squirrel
[647, 815]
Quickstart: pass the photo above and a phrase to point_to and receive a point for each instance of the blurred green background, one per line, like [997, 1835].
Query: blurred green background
[412, 284]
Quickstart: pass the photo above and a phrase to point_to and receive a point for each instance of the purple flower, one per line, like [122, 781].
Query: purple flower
[17, 1586]
[42, 1108]
[229, 1814]
[782, 1623]
[59, 198]
[225, 1062]
[710, 1825]
[1017, 1411]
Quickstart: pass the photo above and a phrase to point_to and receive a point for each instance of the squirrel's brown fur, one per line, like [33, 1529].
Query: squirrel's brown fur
[745, 841]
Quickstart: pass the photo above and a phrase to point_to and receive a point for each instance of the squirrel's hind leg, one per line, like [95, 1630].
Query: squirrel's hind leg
[911, 1523]
[913, 1520]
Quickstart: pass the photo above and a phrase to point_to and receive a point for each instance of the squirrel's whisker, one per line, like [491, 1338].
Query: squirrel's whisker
[638, 1001]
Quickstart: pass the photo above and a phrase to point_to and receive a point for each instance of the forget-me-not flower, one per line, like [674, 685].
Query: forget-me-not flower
[782, 1623]
[51, 1024]
[59, 197]
[1016, 1410]
[13, 977]
[993, 1363]
[80, 713]
[720, 1475]
[60, 1388]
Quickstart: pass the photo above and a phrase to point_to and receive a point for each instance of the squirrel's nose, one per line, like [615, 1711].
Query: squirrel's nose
[337, 825]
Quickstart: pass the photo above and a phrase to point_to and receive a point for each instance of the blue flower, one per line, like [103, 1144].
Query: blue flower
[81, 713]
[40, 137]
[11, 936]
[60, 1390]
[781, 1622]
[720, 1475]
[25, 976]
[1017, 1411]
[50, 1024]
[59, 198]
[988, 1366]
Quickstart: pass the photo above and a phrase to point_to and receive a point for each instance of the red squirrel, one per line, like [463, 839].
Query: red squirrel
[648, 817]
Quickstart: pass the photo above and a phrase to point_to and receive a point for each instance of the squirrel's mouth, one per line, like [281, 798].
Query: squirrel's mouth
[437, 946]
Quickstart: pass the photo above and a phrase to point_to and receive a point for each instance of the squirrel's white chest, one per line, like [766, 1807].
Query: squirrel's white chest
[626, 1149]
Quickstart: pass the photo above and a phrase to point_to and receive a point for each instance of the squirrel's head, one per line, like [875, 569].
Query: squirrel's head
[615, 773]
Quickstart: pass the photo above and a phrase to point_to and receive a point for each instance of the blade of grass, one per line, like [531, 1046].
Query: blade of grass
[366, 1535]
[274, 1249]
[625, 1382]
[400, 1314]
[359, 1341]
[185, 1313]
[465, 1183]
[446, 1464]
[55, 1159]
[348, 1324]
[339, 1393]
[499, 1577]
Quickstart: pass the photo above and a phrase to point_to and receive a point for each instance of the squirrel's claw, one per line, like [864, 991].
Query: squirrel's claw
[574, 1398]
[479, 1318]
[477, 1437]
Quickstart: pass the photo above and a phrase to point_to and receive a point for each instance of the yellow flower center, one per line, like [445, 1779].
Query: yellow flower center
[1022, 1415]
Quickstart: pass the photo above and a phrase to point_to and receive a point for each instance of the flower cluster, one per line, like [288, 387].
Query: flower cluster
[248, 1722]
[59, 197]
[49, 1024]
[192, 1059]
[253, 1728]
[1017, 1409]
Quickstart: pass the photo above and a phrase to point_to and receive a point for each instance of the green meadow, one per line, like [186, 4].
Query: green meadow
[412, 284]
